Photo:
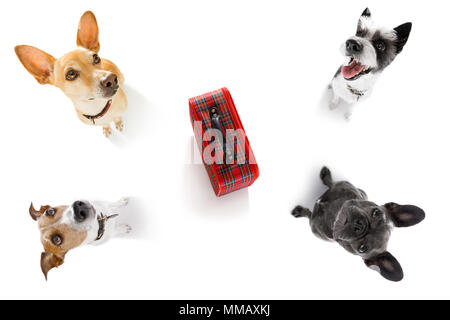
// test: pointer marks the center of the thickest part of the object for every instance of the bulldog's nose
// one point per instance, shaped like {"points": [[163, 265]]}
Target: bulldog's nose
{"points": [[80, 211], [359, 226], [353, 46], [110, 81]]}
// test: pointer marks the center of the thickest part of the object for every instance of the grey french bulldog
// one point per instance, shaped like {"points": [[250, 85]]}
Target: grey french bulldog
{"points": [[343, 214]]}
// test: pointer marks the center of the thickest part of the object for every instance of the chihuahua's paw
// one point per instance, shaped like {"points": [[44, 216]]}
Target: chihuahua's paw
{"points": [[107, 131], [119, 125]]}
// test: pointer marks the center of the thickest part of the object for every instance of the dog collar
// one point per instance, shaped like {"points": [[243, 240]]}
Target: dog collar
{"points": [[101, 224], [356, 92], [99, 115]]}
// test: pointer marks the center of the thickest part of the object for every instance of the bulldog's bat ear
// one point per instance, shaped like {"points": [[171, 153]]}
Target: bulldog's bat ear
{"points": [[87, 36], [35, 214], [404, 216], [37, 62], [403, 32], [386, 265], [49, 261], [366, 13]]}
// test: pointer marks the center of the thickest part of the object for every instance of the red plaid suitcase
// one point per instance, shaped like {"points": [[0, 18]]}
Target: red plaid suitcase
{"points": [[221, 138]]}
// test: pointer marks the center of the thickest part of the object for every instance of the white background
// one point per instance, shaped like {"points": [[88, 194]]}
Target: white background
{"points": [[276, 57]]}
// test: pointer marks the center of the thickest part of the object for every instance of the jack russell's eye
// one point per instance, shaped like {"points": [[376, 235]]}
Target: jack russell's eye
{"points": [[96, 58], [380, 45], [72, 75], [363, 248], [50, 212], [57, 240]]}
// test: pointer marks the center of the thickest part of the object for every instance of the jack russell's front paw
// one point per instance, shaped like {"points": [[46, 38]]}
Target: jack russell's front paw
{"points": [[107, 131]]}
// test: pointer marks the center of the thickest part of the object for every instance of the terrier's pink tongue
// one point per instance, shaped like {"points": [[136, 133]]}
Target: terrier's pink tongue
{"points": [[352, 70]]}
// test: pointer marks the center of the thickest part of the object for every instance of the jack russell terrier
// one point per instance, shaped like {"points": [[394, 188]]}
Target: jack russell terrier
{"points": [[93, 84], [67, 227], [344, 214], [368, 53]]}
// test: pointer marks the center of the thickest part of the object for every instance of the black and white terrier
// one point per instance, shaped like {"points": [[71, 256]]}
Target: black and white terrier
{"points": [[369, 52]]}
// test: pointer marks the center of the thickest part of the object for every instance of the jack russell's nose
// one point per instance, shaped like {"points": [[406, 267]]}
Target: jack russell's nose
{"points": [[80, 211], [353, 46]]}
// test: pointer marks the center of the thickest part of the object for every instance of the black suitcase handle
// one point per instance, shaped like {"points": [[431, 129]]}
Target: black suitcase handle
{"points": [[229, 156]]}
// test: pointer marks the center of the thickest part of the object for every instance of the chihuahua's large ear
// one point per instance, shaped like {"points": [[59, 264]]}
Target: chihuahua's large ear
{"points": [[386, 265], [39, 63], [404, 216], [49, 261], [35, 214], [403, 32], [87, 36]]}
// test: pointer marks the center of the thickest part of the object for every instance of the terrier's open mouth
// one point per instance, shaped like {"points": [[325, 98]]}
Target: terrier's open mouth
{"points": [[353, 70]]}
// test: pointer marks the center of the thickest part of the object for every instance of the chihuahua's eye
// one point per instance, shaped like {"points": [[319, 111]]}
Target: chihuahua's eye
{"points": [[376, 213], [96, 58], [363, 248], [72, 75], [380, 45], [57, 240], [50, 212]]}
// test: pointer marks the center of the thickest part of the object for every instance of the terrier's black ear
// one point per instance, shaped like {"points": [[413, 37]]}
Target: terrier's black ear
{"points": [[404, 216], [366, 13], [386, 265], [403, 32]]}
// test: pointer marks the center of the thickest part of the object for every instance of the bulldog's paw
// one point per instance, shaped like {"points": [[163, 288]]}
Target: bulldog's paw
{"points": [[107, 131]]}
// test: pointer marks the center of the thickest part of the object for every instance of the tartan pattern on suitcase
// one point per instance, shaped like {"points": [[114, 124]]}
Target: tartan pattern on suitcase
{"points": [[225, 178]]}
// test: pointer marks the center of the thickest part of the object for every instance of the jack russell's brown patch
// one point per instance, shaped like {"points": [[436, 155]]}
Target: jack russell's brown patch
{"points": [[57, 235]]}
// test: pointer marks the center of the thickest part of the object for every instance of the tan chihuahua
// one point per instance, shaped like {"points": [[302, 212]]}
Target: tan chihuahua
{"points": [[94, 85]]}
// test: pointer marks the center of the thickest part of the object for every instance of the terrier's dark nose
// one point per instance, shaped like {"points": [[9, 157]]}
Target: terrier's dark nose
{"points": [[80, 211], [110, 81], [353, 46]]}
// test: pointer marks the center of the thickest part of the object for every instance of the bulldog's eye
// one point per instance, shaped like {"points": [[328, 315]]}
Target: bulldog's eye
{"points": [[96, 58], [72, 75], [380, 45], [57, 240], [50, 212], [363, 248], [376, 213]]}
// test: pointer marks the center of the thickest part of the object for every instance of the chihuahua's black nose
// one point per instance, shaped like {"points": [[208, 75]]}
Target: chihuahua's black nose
{"points": [[80, 211], [109, 85], [353, 46], [110, 81]]}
